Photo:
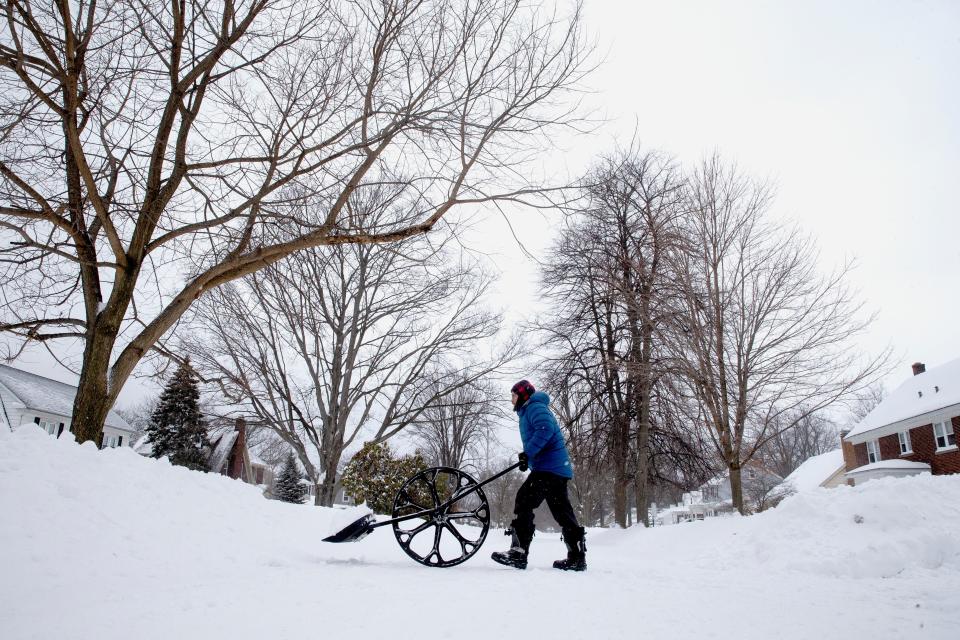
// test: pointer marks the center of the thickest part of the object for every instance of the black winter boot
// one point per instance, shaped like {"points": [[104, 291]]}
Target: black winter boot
{"points": [[576, 551], [516, 556]]}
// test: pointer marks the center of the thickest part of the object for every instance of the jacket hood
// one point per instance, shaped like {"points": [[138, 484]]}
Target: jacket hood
{"points": [[538, 396]]}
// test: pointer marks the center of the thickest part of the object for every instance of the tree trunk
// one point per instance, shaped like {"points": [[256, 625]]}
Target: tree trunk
{"points": [[328, 488], [640, 495], [94, 396], [640, 479], [620, 498], [736, 487], [317, 494]]}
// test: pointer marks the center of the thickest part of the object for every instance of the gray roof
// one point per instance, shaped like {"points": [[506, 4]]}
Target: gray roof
{"points": [[46, 395]]}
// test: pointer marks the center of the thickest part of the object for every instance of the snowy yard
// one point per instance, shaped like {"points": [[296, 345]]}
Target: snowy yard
{"points": [[105, 544]]}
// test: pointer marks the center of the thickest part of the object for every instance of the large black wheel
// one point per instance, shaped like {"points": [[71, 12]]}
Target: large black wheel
{"points": [[455, 522]]}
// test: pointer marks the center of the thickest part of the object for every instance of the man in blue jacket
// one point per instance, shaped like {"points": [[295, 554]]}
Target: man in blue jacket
{"points": [[545, 451]]}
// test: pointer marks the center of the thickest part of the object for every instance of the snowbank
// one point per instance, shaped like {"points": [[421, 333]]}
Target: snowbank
{"points": [[107, 544]]}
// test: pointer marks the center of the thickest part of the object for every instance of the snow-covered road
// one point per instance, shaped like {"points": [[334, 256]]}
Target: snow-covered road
{"points": [[110, 545]]}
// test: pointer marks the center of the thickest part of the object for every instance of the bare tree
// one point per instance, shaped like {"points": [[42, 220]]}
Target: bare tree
{"points": [[335, 345], [866, 401], [763, 339], [452, 431], [680, 460], [502, 492], [138, 416], [808, 435], [153, 151], [586, 343], [609, 277]]}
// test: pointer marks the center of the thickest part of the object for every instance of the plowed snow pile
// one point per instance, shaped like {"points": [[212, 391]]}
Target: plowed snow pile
{"points": [[106, 544]]}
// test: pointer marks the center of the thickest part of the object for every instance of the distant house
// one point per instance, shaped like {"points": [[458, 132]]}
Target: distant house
{"points": [[262, 472], [228, 455], [913, 430], [714, 498], [27, 398], [825, 470], [340, 495]]}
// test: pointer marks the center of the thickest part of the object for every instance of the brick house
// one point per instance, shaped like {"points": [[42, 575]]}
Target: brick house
{"points": [[228, 456], [913, 430]]}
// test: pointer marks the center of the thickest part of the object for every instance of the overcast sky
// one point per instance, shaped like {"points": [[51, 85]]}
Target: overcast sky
{"points": [[849, 108]]}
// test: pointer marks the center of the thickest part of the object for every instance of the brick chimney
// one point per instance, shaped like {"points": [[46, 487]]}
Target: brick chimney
{"points": [[237, 468], [849, 455], [918, 368]]}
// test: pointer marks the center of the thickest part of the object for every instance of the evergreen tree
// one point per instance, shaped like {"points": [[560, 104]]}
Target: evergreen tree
{"points": [[374, 475], [289, 487], [176, 427]]}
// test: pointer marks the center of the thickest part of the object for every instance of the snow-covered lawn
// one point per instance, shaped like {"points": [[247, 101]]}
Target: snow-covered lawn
{"points": [[105, 544]]}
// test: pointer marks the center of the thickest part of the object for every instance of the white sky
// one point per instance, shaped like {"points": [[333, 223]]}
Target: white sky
{"points": [[849, 108]]}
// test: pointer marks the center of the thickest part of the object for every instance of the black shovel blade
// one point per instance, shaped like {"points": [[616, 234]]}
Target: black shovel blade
{"points": [[356, 530]]}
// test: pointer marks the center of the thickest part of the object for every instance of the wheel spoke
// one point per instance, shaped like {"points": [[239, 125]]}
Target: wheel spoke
{"points": [[411, 533], [464, 543], [433, 490], [436, 543], [441, 481], [464, 515]]}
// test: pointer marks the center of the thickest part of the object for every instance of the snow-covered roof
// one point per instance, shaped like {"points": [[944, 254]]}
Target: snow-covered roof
{"points": [[36, 392], [894, 465], [221, 449], [914, 403], [144, 446], [814, 471]]}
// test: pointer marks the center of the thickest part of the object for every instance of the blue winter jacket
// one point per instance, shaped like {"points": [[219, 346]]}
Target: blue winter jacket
{"points": [[542, 440]]}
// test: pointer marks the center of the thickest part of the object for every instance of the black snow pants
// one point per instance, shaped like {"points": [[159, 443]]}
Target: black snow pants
{"points": [[540, 486]]}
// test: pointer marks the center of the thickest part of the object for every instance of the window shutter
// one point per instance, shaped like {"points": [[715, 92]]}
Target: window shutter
{"points": [[119, 441]]}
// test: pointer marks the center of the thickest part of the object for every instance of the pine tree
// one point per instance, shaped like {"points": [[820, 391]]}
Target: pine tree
{"points": [[176, 427], [289, 487]]}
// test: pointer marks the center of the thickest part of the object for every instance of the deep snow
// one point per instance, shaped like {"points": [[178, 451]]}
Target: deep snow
{"points": [[106, 544]]}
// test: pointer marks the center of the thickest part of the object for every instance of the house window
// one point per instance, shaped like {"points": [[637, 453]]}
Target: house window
{"points": [[873, 451], [346, 497], [49, 427], [904, 437], [943, 434]]}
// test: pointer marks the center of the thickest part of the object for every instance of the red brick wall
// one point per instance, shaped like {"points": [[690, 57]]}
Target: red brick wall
{"points": [[859, 455], [890, 447], [924, 450]]}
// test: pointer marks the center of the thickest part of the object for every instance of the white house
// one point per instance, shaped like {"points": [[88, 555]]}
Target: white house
{"points": [[825, 470], [26, 398], [714, 498]]}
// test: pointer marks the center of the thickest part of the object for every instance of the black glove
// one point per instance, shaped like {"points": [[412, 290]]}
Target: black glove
{"points": [[523, 461]]}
